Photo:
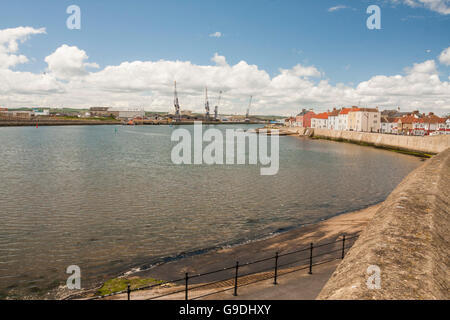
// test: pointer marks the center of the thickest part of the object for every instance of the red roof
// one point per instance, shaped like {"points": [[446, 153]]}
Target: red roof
{"points": [[333, 113], [347, 110], [430, 119], [323, 115], [407, 119]]}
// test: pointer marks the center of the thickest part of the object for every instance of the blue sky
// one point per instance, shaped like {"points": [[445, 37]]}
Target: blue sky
{"points": [[269, 34]]}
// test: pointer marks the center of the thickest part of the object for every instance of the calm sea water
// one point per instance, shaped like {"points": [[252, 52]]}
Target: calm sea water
{"points": [[107, 202]]}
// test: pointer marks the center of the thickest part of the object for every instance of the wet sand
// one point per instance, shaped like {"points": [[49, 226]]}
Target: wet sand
{"points": [[292, 240], [323, 232]]}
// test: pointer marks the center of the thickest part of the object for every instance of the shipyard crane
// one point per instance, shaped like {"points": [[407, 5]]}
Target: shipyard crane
{"points": [[206, 103], [216, 108], [248, 109], [176, 104]]}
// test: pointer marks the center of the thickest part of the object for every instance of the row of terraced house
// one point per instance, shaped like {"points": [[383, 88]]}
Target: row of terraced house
{"points": [[373, 120]]}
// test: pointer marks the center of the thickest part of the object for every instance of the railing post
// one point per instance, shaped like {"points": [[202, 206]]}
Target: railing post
{"points": [[236, 279], [128, 291], [310, 257], [343, 246], [276, 269], [186, 288]]}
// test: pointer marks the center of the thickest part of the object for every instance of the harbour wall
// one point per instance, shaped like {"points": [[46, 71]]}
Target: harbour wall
{"points": [[427, 144], [408, 240]]}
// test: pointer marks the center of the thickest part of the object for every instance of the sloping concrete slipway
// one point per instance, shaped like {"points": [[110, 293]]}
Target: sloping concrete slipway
{"points": [[408, 240]]}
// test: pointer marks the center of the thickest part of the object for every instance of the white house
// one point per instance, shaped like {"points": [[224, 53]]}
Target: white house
{"points": [[388, 125], [343, 119], [445, 126], [430, 124], [333, 119], [319, 121]]}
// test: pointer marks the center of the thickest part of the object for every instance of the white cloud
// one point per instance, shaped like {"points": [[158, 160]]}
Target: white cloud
{"points": [[67, 62], [150, 84], [216, 34], [419, 88], [428, 66], [440, 6], [301, 71], [9, 39], [336, 8], [21, 86], [219, 60], [444, 58]]}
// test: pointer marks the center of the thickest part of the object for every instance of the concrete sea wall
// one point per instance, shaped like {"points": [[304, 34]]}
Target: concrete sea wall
{"points": [[408, 239], [428, 144]]}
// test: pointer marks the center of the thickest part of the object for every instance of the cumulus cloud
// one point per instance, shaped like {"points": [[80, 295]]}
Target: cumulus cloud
{"points": [[336, 8], [302, 71], [216, 34], [149, 84], [444, 58], [428, 66], [67, 62], [420, 86], [440, 6], [219, 60], [9, 44]]}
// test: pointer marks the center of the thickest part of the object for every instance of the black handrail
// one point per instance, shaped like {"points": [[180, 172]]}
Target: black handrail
{"points": [[236, 276]]}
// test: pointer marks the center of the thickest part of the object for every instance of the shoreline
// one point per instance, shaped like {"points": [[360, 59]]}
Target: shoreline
{"points": [[282, 239], [277, 238], [60, 122], [216, 258]]}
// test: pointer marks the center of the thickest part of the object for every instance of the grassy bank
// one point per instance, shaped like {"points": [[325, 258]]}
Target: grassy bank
{"points": [[121, 284]]}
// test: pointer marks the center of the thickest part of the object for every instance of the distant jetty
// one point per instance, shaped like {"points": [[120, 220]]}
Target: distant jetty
{"points": [[269, 131]]}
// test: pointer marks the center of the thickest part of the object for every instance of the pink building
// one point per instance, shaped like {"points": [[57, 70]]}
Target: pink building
{"points": [[303, 119]]}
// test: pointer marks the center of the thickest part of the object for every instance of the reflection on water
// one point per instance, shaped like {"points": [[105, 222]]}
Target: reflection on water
{"points": [[86, 196]]}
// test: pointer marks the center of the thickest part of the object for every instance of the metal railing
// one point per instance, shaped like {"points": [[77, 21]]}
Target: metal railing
{"points": [[274, 270]]}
